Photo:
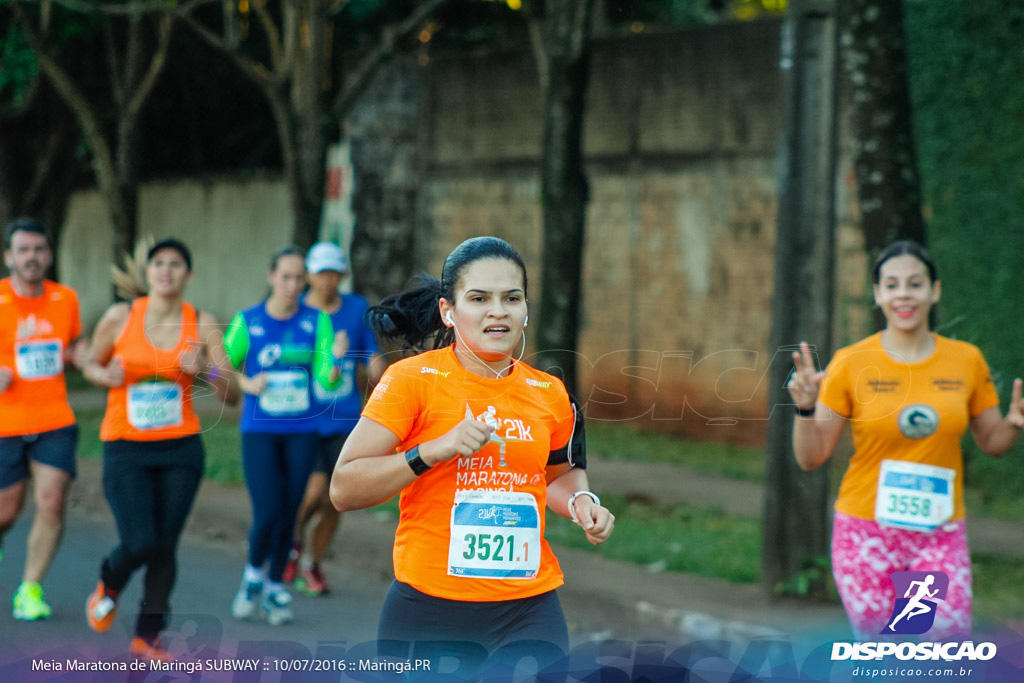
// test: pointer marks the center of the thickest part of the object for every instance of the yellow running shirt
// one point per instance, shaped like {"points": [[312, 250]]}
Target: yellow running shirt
{"points": [[907, 412], [472, 528]]}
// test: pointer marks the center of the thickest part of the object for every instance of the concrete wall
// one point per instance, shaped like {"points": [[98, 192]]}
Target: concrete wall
{"points": [[681, 137], [232, 227]]}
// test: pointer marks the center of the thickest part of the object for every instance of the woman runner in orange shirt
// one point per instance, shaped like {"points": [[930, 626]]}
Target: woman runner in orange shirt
{"points": [[478, 443], [147, 353]]}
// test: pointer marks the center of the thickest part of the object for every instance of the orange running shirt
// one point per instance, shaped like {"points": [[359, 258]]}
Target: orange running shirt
{"points": [[912, 412], [34, 334], [155, 401], [480, 549]]}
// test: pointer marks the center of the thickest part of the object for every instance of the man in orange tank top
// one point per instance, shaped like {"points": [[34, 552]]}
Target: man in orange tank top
{"points": [[39, 330]]}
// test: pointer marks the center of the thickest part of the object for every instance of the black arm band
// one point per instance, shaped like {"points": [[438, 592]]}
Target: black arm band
{"points": [[575, 451], [415, 462], [804, 412]]}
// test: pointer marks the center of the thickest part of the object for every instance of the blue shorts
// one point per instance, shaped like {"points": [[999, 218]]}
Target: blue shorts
{"points": [[55, 448], [328, 449]]}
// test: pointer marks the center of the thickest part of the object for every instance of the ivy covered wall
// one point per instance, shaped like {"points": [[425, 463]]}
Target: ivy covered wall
{"points": [[967, 83]]}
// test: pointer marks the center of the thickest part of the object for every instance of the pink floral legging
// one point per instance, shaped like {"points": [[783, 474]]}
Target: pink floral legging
{"points": [[865, 553]]}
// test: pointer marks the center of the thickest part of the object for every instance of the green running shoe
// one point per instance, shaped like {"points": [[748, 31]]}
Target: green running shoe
{"points": [[29, 604]]}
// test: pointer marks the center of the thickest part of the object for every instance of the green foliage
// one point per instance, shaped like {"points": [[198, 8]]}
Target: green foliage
{"points": [[361, 10], [755, 9], [660, 12], [968, 96], [814, 575], [18, 66]]}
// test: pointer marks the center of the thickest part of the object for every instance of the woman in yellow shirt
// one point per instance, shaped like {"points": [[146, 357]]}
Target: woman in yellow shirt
{"points": [[909, 395]]}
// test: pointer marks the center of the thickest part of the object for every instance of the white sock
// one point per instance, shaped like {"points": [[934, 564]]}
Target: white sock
{"points": [[254, 575]]}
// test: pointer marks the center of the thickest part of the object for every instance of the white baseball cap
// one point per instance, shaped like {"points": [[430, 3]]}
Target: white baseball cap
{"points": [[326, 256]]}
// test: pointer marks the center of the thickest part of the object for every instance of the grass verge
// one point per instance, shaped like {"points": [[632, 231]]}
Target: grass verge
{"points": [[619, 442], [996, 583], [672, 537]]}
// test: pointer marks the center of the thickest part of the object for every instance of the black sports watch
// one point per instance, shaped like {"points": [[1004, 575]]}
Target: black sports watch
{"points": [[416, 464]]}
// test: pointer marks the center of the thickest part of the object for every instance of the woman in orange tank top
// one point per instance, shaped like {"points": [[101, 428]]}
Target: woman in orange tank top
{"points": [[147, 353]]}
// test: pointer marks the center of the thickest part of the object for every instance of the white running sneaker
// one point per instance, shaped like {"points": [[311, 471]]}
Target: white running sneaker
{"points": [[277, 606], [244, 604]]}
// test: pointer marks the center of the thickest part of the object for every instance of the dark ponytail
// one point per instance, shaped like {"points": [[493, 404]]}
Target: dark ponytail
{"points": [[413, 317]]}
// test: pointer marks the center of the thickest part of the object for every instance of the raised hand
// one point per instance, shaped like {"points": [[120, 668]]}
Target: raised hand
{"points": [[805, 383]]}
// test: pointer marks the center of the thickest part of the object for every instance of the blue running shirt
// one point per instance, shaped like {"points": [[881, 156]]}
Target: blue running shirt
{"points": [[295, 353]]}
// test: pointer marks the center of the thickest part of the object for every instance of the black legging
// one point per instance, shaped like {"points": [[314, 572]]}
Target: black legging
{"points": [[150, 486], [414, 625]]}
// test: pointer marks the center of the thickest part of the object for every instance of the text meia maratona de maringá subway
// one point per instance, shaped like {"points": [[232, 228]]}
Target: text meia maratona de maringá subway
{"points": [[189, 667]]}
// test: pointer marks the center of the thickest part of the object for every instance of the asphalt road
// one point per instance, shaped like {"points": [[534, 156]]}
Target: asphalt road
{"points": [[339, 627], [202, 627]]}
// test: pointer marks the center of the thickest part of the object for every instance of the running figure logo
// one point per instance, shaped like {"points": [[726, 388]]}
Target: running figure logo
{"points": [[914, 613], [488, 417]]}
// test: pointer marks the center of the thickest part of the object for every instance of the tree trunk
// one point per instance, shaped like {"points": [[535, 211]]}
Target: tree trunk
{"points": [[385, 167], [310, 116], [563, 56], [102, 159], [796, 529], [874, 65]]}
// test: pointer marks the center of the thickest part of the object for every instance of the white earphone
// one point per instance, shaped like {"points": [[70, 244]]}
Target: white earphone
{"points": [[499, 375]]}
